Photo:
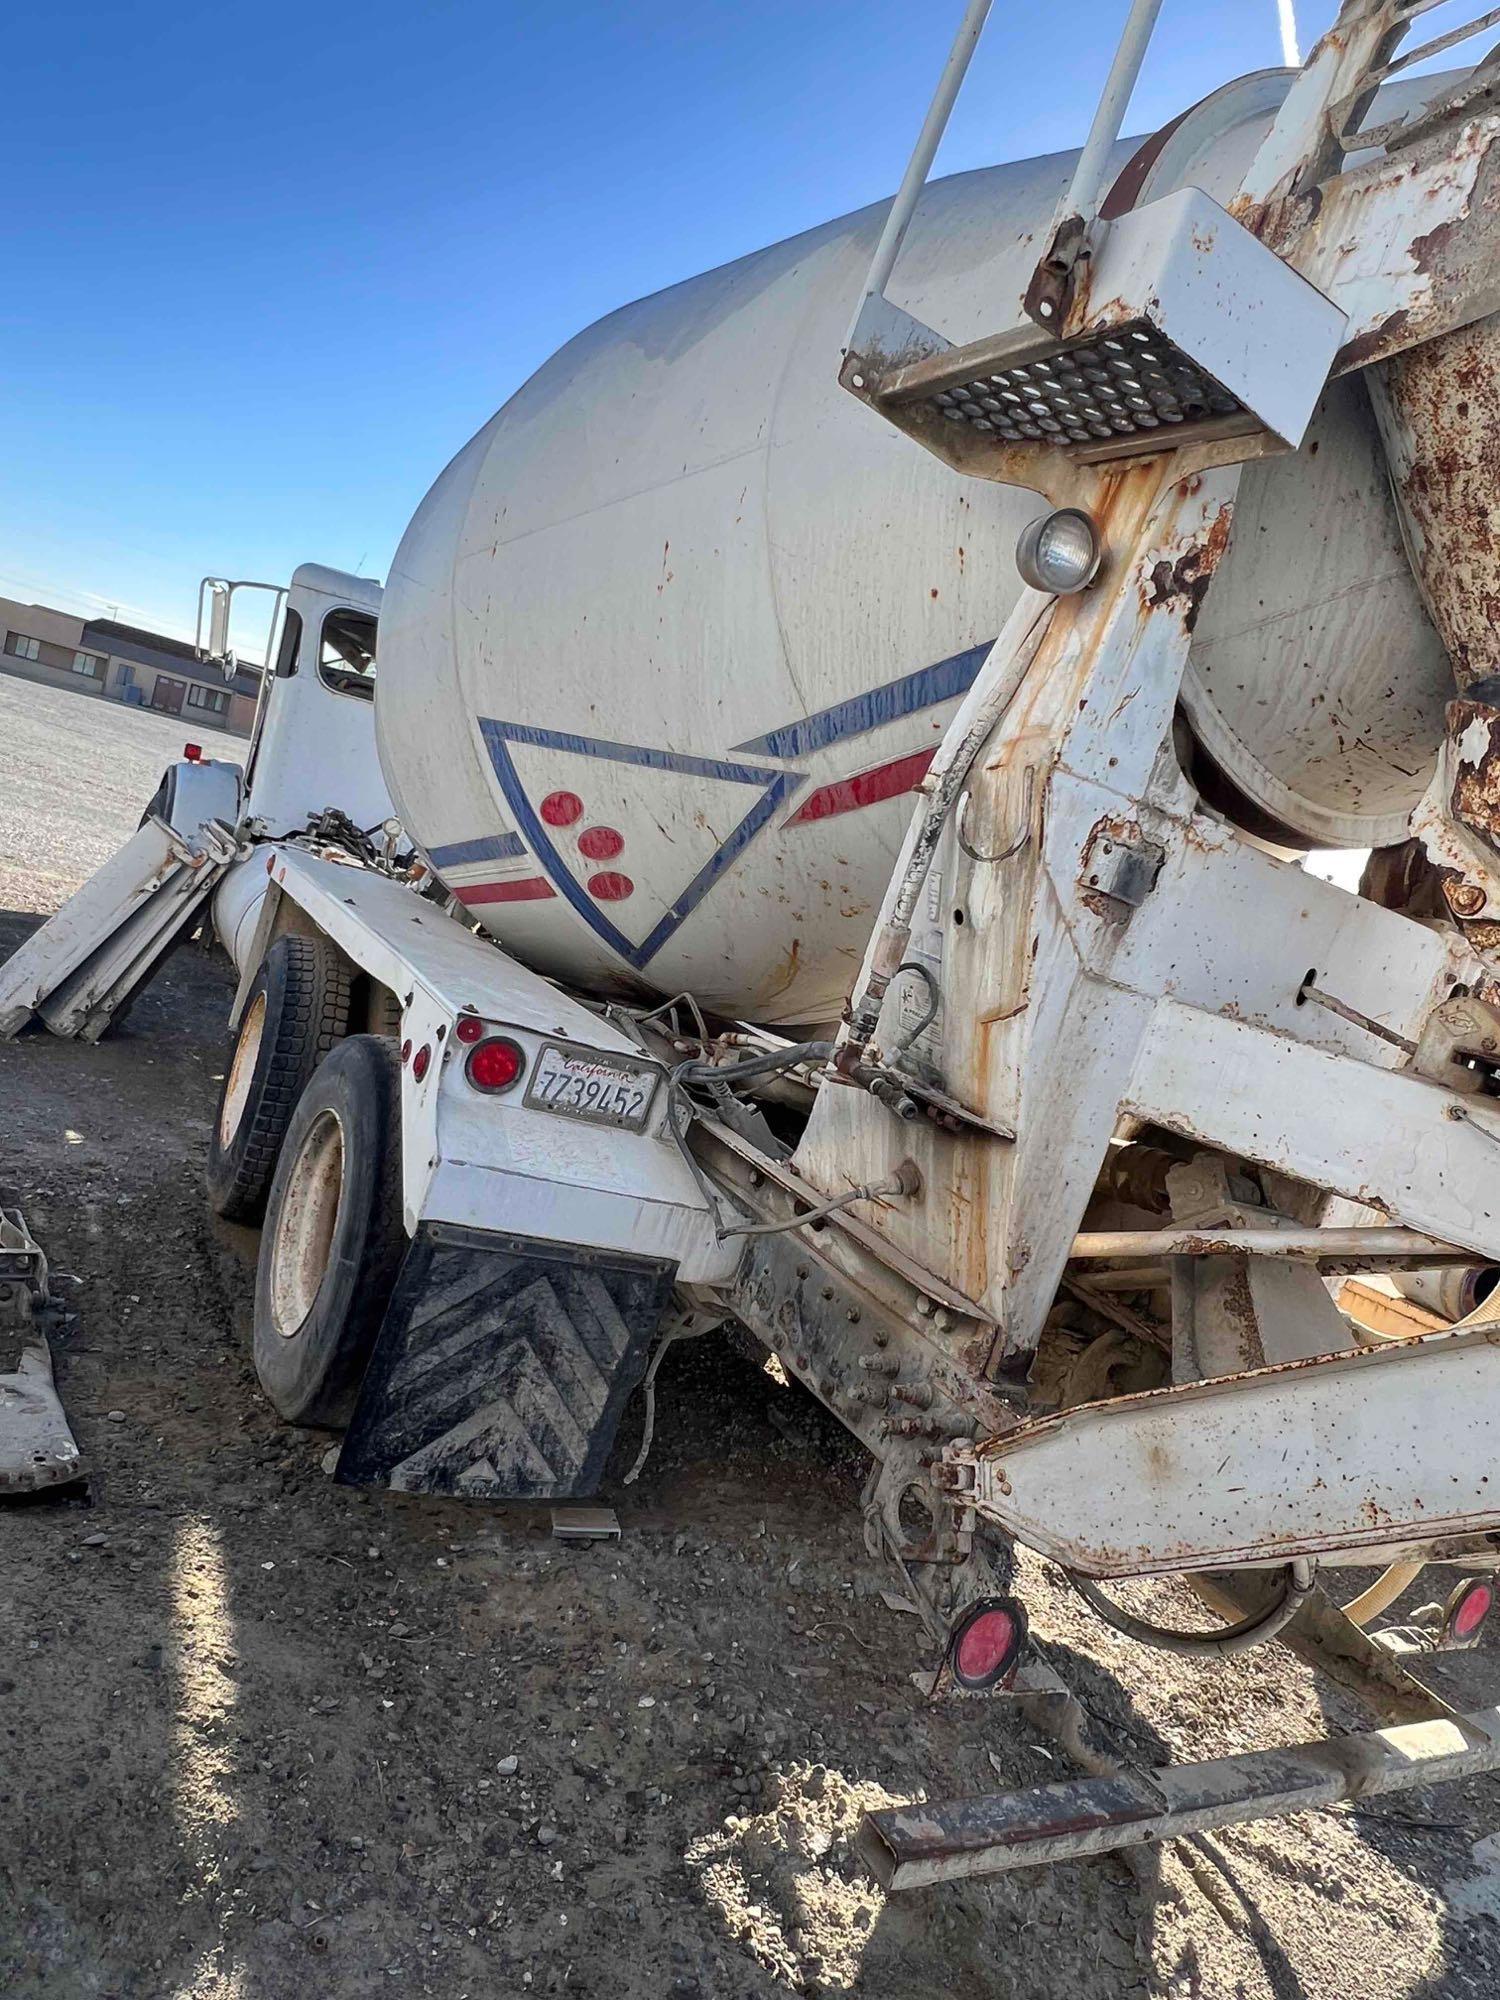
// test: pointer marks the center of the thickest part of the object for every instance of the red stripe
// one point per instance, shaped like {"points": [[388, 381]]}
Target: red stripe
{"points": [[886, 781], [533, 889]]}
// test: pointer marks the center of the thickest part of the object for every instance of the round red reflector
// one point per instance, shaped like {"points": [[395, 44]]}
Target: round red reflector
{"points": [[988, 1642], [421, 1062], [406, 1050], [495, 1065], [610, 887], [469, 1028], [1469, 1606], [561, 808], [600, 843]]}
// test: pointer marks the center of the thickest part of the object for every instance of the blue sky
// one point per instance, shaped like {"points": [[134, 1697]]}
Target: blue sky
{"points": [[267, 268]]}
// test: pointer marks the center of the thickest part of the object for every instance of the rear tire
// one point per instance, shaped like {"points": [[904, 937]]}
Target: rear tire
{"points": [[296, 1010], [334, 1239]]}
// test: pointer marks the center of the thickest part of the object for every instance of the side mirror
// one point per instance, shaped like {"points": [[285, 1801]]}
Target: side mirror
{"points": [[216, 596], [218, 593]]}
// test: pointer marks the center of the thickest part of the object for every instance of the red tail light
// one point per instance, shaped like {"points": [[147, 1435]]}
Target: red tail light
{"points": [[1466, 1612], [495, 1064], [985, 1646]]}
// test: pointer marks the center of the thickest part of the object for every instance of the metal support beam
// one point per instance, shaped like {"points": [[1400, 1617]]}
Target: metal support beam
{"points": [[1375, 1246], [911, 1847]]}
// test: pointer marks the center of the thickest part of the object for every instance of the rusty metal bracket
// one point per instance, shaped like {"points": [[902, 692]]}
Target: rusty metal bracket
{"points": [[1121, 864]]}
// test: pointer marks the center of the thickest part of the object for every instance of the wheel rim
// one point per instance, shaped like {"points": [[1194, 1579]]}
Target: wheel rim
{"points": [[242, 1070], [306, 1222]]}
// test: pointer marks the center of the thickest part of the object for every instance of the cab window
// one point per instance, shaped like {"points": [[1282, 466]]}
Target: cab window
{"points": [[346, 653], [291, 640]]}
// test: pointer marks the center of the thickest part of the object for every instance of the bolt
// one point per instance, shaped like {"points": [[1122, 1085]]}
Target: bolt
{"points": [[1465, 899], [918, 1394], [924, 1306], [880, 1364], [852, 1315]]}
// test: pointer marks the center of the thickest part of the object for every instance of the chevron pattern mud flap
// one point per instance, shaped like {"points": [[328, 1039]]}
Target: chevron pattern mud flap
{"points": [[502, 1367]]}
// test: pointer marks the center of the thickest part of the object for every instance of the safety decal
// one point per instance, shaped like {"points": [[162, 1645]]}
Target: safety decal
{"points": [[555, 820], [560, 809]]}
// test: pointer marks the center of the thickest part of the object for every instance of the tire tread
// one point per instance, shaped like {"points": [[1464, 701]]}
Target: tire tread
{"points": [[312, 1016]]}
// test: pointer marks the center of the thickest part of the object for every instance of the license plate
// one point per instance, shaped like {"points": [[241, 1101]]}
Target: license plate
{"points": [[580, 1083]]}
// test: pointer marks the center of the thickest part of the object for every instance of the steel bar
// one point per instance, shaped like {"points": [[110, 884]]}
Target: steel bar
{"points": [[1098, 1245], [910, 1847], [1352, 1014], [898, 220], [1082, 197]]}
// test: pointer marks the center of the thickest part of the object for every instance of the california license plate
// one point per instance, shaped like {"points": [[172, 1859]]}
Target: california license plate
{"points": [[581, 1083]]}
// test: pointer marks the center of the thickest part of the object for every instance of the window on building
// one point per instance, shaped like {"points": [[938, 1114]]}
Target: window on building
{"points": [[346, 653], [215, 700], [22, 646], [89, 663]]}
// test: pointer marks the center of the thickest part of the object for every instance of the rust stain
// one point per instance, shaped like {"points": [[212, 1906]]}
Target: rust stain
{"points": [[1183, 584], [1372, 344], [1443, 442], [1476, 790]]}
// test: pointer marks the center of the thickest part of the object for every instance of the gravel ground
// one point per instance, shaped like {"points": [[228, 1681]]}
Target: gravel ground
{"points": [[265, 1736], [75, 772]]}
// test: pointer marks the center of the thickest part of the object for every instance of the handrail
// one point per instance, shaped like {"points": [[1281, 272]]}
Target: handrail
{"points": [[1078, 211], [898, 219]]}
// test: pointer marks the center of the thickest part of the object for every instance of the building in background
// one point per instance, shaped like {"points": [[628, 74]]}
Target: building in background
{"points": [[118, 662]]}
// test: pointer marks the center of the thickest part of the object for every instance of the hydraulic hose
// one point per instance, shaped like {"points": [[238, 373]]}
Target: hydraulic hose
{"points": [[1383, 1592], [1296, 1587]]}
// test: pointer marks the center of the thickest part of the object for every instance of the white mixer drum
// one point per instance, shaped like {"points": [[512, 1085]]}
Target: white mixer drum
{"points": [[669, 644]]}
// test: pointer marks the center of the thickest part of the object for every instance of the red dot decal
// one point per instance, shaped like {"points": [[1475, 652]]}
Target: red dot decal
{"points": [[610, 887], [562, 808], [600, 843]]}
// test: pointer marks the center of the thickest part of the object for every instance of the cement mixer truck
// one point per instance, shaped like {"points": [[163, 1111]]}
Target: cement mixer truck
{"points": [[809, 838]]}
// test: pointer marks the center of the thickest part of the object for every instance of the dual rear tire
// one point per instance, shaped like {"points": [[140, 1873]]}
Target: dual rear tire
{"points": [[334, 1237], [307, 1140], [296, 1010]]}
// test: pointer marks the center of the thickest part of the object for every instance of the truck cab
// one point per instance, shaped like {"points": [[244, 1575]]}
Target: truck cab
{"points": [[313, 744]]}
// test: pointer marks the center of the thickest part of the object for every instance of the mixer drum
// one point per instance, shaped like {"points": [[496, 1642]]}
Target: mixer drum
{"points": [[669, 644]]}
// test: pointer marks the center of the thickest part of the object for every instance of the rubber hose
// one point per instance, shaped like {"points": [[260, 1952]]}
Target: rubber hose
{"points": [[1383, 1592], [1297, 1583]]}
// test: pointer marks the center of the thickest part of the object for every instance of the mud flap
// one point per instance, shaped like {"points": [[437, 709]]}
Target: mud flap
{"points": [[502, 1367]]}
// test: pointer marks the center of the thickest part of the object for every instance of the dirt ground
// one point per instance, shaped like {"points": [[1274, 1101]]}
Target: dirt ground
{"points": [[266, 1737], [75, 772]]}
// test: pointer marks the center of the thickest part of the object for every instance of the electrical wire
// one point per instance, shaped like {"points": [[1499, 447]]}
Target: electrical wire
{"points": [[934, 1001], [791, 1057], [677, 1000], [1296, 1587], [869, 1193]]}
